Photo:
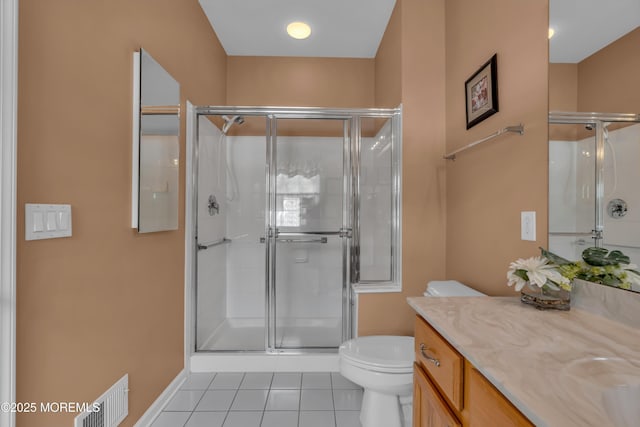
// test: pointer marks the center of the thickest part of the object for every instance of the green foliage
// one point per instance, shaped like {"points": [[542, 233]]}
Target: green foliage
{"points": [[598, 265], [602, 257]]}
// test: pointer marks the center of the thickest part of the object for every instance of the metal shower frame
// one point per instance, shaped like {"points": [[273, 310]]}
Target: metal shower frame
{"points": [[351, 206]]}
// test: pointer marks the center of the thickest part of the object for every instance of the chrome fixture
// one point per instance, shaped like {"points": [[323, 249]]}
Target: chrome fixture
{"points": [[213, 205], [212, 244], [519, 129], [617, 208], [228, 122]]}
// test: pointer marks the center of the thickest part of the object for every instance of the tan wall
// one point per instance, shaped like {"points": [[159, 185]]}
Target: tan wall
{"points": [[298, 81], [563, 87], [563, 96], [608, 80], [106, 301], [488, 186], [388, 63], [417, 31]]}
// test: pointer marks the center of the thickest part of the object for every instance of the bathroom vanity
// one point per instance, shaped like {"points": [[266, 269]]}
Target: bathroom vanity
{"points": [[493, 361], [449, 391]]}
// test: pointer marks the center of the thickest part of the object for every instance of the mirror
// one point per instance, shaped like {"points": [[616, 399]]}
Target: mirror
{"points": [[594, 130], [156, 153]]}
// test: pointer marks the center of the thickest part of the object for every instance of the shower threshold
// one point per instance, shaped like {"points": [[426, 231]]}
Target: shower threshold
{"points": [[264, 362], [292, 335], [238, 344]]}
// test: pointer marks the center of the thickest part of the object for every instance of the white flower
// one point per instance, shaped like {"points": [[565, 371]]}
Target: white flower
{"points": [[535, 270]]}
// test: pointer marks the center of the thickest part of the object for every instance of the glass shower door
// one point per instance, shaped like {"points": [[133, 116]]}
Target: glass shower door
{"points": [[309, 233]]}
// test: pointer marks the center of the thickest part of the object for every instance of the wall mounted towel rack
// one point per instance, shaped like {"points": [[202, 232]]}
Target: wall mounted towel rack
{"points": [[519, 129]]}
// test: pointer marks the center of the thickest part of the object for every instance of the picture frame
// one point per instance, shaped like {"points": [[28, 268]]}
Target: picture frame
{"points": [[481, 92]]}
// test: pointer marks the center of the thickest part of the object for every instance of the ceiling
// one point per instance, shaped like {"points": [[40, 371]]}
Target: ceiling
{"points": [[339, 28], [354, 28], [583, 27]]}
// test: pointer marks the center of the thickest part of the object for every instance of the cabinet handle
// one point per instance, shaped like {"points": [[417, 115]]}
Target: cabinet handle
{"points": [[426, 356]]}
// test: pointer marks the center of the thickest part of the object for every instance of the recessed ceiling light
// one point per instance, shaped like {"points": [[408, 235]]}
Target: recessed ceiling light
{"points": [[551, 32], [299, 30]]}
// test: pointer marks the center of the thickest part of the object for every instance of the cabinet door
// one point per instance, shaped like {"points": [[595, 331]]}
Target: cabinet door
{"points": [[487, 407], [429, 408]]}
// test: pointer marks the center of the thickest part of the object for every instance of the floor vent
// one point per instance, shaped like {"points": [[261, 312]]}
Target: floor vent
{"points": [[109, 409]]}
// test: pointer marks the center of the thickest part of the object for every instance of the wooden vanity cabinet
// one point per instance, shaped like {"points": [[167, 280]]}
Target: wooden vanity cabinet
{"points": [[429, 408], [450, 392]]}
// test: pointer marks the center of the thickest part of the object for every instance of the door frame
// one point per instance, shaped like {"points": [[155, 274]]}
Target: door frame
{"points": [[8, 179]]}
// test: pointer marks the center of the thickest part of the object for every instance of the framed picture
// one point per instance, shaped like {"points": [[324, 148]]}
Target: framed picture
{"points": [[481, 93]]}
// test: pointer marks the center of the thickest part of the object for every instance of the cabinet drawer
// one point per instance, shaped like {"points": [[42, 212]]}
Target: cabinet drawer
{"points": [[441, 362]]}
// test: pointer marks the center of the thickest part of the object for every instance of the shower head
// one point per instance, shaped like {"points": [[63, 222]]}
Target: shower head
{"points": [[228, 122]]}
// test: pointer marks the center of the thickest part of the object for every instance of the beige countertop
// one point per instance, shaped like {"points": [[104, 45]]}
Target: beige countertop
{"points": [[542, 361]]}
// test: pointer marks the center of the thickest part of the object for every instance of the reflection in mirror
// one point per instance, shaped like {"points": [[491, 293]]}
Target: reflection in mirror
{"points": [[594, 58], [158, 148], [593, 191]]}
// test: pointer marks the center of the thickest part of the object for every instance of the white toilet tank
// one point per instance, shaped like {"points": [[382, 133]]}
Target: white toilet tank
{"points": [[450, 288]]}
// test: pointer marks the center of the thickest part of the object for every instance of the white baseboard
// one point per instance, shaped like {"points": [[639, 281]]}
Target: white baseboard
{"points": [[156, 407]]}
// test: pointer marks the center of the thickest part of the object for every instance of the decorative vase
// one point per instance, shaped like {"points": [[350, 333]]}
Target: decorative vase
{"points": [[546, 298]]}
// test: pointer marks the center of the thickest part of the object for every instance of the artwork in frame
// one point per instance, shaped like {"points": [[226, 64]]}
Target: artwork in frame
{"points": [[481, 92]]}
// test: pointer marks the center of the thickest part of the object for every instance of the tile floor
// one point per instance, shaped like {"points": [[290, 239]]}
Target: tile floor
{"points": [[264, 399]]}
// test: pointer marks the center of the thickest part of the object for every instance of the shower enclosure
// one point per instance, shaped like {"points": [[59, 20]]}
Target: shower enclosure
{"points": [[294, 207], [593, 174]]}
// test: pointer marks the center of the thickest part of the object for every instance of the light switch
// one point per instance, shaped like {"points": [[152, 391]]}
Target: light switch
{"points": [[51, 221], [38, 222], [47, 221], [63, 220]]}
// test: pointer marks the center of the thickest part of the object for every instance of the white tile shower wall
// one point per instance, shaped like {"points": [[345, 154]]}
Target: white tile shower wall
{"points": [[562, 184], [245, 224], [212, 263]]}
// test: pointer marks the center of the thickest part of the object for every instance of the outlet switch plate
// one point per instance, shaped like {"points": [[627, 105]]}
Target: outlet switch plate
{"points": [[528, 226]]}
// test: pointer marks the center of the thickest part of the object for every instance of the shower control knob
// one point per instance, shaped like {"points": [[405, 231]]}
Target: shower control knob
{"points": [[617, 208], [213, 205]]}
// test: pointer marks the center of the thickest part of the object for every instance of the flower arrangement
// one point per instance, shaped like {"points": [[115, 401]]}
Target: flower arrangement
{"points": [[598, 265], [539, 271]]}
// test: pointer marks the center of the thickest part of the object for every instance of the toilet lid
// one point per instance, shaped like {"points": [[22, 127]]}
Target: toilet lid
{"points": [[380, 353], [450, 288]]}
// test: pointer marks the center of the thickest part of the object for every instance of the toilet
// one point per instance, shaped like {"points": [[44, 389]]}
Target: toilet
{"points": [[383, 367]]}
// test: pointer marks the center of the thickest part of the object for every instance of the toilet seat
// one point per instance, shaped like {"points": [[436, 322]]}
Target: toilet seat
{"points": [[384, 354]]}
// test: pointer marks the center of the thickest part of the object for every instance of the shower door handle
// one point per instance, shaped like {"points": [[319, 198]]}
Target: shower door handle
{"points": [[343, 232], [292, 240]]}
